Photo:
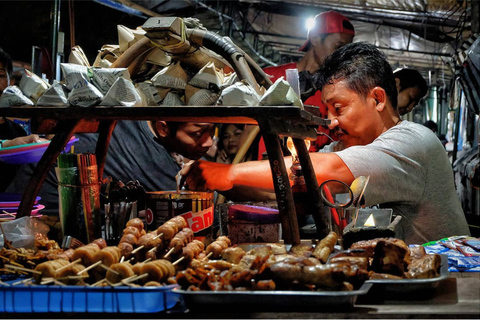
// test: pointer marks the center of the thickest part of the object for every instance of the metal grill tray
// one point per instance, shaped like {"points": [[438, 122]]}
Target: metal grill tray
{"points": [[408, 289], [43, 298], [265, 299]]}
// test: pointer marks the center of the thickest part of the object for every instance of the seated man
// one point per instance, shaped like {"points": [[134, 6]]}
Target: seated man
{"points": [[408, 167], [411, 88], [139, 150]]}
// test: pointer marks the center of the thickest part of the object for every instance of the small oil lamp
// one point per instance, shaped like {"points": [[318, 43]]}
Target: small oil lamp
{"points": [[371, 224], [299, 188]]}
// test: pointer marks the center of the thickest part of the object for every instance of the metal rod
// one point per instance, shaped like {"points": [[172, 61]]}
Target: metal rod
{"points": [[286, 207], [317, 207]]}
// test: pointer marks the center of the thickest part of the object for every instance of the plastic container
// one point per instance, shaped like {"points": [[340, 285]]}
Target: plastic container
{"points": [[33, 154], [251, 224], [195, 207], [42, 299]]}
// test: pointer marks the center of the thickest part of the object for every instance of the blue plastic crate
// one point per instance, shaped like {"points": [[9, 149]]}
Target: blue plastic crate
{"points": [[41, 298]]}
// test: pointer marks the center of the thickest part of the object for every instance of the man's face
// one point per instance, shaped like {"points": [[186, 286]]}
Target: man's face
{"points": [[192, 140], [332, 42], [354, 118], [4, 78], [407, 100]]}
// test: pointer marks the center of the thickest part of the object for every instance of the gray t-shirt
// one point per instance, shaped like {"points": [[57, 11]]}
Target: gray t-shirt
{"points": [[410, 172]]}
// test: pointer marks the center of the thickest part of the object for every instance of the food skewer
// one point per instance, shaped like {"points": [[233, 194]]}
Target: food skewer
{"points": [[69, 265], [191, 251], [179, 241], [99, 262], [216, 247], [11, 266]]}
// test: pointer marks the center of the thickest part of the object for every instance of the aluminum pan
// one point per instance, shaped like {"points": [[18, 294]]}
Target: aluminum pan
{"points": [[408, 289], [325, 299]]}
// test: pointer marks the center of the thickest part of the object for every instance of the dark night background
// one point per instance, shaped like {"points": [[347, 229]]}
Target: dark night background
{"points": [[24, 24]]}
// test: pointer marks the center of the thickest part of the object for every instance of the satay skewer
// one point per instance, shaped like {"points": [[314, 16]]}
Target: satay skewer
{"points": [[178, 261], [98, 282], [93, 265], [208, 255], [109, 269], [68, 265], [137, 249], [11, 266], [134, 278], [158, 235], [169, 252], [23, 281]]}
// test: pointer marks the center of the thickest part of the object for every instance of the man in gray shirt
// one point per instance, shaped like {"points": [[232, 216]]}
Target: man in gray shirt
{"points": [[408, 167]]}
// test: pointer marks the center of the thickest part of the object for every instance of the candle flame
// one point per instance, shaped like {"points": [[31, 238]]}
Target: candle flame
{"points": [[292, 149], [370, 221]]}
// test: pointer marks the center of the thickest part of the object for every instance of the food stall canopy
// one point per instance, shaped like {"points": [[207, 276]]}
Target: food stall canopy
{"points": [[420, 34]]}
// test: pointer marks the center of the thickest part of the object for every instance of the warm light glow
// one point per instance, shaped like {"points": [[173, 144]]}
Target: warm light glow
{"points": [[370, 221], [291, 147], [310, 23]]}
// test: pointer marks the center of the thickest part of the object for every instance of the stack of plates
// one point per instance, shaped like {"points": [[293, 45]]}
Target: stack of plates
{"points": [[9, 203], [28, 153]]}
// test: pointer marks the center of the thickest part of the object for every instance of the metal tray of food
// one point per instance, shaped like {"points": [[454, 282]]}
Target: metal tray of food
{"points": [[286, 299], [408, 289], [83, 299]]}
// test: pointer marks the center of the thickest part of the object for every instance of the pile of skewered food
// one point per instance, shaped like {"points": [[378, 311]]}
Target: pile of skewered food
{"points": [[272, 267], [139, 258], [170, 254]]}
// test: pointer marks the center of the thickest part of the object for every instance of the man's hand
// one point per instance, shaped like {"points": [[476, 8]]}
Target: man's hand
{"points": [[204, 175], [33, 138]]}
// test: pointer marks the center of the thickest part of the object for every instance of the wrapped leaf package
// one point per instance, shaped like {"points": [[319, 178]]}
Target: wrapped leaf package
{"points": [[108, 54], [122, 93], [13, 96], [84, 94], [172, 76], [200, 97], [150, 93], [32, 85], [239, 94], [74, 74], [281, 94], [172, 99], [104, 78], [125, 37], [208, 78], [55, 96], [77, 56]]}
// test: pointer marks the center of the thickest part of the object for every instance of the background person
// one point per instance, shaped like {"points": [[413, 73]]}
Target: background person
{"points": [[331, 31], [411, 88], [8, 129], [408, 167], [139, 150]]}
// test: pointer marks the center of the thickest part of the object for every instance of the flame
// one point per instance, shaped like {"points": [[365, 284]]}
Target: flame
{"points": [[370, 221], [291, 147]]}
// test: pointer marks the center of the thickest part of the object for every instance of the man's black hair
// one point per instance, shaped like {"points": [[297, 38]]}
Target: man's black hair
{"points": [[362, 66], [7, 61], [410, 78]]}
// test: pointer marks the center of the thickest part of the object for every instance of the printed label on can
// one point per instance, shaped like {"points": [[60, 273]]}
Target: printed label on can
{"points": [[198, 221]]}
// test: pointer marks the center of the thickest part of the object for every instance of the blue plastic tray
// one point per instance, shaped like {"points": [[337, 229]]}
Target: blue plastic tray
{"points": [[42, 298]]}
